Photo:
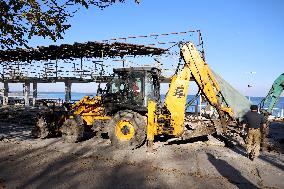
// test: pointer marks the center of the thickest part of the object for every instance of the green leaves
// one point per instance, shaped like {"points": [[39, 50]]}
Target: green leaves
{"points": [[22, 19]]}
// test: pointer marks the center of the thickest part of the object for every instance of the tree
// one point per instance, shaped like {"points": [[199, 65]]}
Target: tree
{"points": [[22, 19]]}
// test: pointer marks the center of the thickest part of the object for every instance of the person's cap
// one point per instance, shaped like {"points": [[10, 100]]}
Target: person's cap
{"points": [[254, 107]]}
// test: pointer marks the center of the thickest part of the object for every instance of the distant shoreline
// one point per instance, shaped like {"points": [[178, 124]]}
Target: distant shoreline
{"points": [[20, 93]]}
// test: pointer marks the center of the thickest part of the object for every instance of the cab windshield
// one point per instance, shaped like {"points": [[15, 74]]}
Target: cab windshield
{"points": [[118, 85], [135, 88]]}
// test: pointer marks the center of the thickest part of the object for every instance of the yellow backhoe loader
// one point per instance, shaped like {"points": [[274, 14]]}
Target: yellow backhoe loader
{"points": [[129, 110]]}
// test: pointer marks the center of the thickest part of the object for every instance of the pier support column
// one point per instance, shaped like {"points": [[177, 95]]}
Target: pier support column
{"points": [[68, 91], [34, 93], [27, 93], [6, 94]]}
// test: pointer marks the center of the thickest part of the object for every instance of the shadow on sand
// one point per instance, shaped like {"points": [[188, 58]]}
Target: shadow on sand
{"points": [[43, 168], [233, 175]]}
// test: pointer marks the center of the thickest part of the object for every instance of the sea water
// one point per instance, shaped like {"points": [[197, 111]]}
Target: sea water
{"points": [[75, 96]]}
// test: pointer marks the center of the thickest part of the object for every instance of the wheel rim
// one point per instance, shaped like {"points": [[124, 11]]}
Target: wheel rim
{"points": [[124, 130]]}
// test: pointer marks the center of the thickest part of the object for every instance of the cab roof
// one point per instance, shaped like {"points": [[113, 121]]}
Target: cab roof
{"points": [[137, 69]]}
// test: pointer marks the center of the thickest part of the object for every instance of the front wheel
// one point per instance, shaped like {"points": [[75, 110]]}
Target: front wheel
{"points": [[127, 130]]}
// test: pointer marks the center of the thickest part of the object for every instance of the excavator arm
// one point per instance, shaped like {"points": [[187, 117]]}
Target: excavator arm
{"points": [[196, 68], [273, 95], [204, 78], [171, 119]]}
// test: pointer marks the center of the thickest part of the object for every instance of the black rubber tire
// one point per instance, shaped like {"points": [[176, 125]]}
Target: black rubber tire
{"points": [[42, 128], [139, 124], [73, 130]]}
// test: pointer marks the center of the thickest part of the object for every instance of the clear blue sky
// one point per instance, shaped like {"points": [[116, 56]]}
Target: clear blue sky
{"points": [[240, 36]]}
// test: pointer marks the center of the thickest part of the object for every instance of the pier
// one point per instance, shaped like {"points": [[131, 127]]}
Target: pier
{"points": [[77, 63]]}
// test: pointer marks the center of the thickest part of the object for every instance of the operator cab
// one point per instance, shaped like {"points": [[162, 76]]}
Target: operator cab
{"points": [[132, 88]]}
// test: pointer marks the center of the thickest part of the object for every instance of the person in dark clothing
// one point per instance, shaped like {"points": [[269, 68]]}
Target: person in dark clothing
{"points": [[253, 121]]}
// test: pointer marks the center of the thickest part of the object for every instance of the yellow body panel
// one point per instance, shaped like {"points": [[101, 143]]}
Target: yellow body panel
{"points": [[88, 119], [90, 109], [152, 121], [176, 99], [102, 118]]}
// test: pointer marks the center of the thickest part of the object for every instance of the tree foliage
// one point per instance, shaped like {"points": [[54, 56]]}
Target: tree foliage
{"points": [[22, 19]]}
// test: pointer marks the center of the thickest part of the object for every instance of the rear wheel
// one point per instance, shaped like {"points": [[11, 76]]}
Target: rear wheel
{"points": [[73, 130], [127, 130], [42, 128]]}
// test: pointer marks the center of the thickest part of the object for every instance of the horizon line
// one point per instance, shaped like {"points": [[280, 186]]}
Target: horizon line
{"points": [[95, 93]]}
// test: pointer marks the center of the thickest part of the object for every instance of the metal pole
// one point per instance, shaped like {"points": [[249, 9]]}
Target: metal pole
{"points": [[34, 93], [250, 85], [27, 93], [67, 91], [81, 75], [6, 93]]}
